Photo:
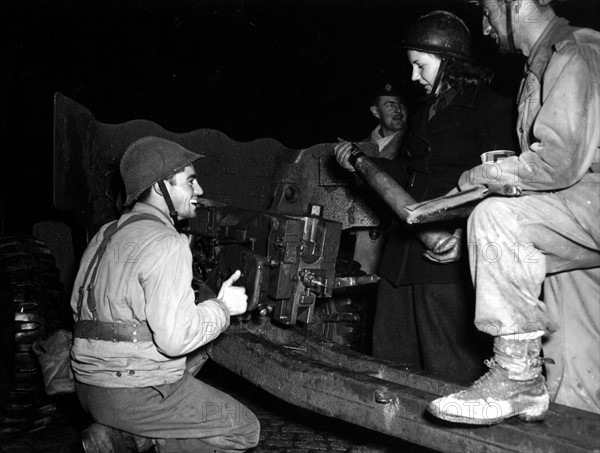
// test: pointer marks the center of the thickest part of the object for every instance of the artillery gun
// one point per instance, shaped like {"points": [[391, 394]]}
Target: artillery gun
{"points": [[278, 214]]}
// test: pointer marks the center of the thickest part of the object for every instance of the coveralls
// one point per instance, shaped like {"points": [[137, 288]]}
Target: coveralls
{"points": [[552, 236], [141, 387], [423, 312]]}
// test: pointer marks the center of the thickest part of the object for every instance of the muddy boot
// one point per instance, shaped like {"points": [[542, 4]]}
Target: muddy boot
{"points": [[513, 386], [99, 438]]}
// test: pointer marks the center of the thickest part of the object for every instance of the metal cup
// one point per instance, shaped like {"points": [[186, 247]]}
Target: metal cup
{"points": [[496, 156]]}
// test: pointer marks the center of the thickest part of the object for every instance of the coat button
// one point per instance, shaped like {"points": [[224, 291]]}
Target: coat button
{"points": [[118, 374], [131, 372]]}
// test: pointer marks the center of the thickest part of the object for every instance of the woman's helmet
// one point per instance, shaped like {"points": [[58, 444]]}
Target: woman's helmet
{"points": [[441, 33]]}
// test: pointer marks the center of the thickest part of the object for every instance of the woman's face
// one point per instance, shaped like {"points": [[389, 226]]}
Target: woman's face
{"points": [[425, 67]]}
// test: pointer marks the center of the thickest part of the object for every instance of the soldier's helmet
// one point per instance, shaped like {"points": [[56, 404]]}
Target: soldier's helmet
{"points": [[151, 159]]}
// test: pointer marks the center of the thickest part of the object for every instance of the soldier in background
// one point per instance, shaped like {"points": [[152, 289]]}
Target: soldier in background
{"points": [[391, 111]]}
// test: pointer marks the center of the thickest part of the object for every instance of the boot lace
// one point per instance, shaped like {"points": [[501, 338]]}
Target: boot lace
{"points": [[494, 370]]}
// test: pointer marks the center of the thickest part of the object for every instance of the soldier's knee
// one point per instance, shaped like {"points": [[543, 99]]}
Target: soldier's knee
{"points": [[490, 210]]}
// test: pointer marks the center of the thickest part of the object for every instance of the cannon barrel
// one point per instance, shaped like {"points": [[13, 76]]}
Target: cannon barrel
{"points": [[395, 196], [382, 183]]}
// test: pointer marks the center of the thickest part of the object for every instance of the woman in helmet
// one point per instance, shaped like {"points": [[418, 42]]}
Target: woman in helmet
{"points": [[425, 309]]}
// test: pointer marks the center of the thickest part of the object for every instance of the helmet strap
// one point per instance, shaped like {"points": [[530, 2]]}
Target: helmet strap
{"points": [[167, 197], [509, 26], [438, 77]]}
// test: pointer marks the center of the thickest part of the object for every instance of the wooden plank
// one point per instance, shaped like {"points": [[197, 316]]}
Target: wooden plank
{"points": [[562, 420], [354, 389], [326, 351]]}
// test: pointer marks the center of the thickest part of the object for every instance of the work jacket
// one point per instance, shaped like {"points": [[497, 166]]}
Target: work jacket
{"points": [[559, 118], [389, 147], [145, 276], [439, 149]]}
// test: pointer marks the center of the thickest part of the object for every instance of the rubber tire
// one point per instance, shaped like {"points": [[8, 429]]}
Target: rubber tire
{"points": [[31, 306]]}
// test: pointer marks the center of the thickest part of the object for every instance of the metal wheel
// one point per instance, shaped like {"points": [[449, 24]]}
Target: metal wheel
{"points": [[30, 301]]}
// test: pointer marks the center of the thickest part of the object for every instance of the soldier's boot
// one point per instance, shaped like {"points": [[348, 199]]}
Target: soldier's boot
{"points": [[99, 438], [513, 386]]}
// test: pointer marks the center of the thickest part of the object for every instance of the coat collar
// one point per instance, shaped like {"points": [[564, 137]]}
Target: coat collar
{"points": [[144, 208], [446, 118], [557, 30]]}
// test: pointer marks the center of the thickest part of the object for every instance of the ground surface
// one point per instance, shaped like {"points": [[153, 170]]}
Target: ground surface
{"points": [[284, 428]]}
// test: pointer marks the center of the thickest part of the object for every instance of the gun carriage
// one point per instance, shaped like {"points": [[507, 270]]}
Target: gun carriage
{"points": [[278, 215]]}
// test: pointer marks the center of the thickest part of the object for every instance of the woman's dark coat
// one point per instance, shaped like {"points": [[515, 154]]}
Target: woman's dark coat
{"points": [[438, 151]]}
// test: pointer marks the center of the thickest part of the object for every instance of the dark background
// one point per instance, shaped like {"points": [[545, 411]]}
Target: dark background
{"points": [[296, 71]]}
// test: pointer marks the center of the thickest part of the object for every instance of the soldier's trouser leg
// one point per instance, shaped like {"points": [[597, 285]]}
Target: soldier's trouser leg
{"points": [[573, 378], [514, 244], [187, 415]]}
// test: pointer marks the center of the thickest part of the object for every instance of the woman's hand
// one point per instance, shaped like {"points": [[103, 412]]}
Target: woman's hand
{"points": [[447, 250], [342, 152]]}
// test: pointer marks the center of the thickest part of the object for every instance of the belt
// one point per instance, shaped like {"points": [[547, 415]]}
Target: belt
{"points": [[113, 331]]}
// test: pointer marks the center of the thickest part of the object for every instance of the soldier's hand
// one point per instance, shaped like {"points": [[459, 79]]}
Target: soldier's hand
{"points": [[233, 297], [447, 250], [342, 152]]}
